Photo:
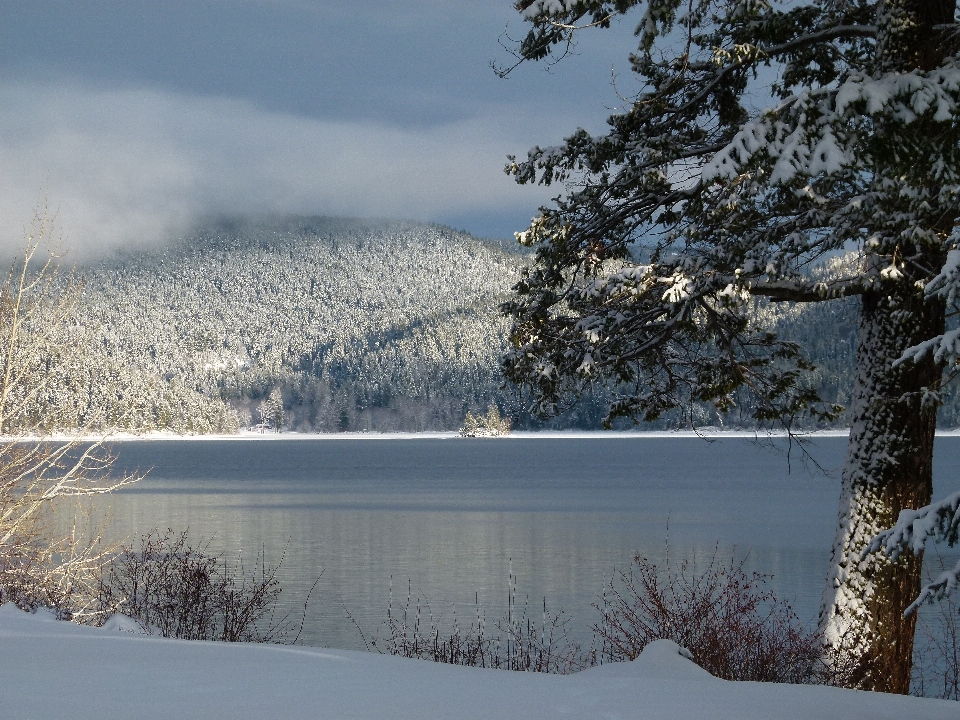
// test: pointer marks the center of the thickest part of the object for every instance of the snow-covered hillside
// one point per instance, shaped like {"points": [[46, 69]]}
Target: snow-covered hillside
{"points": [[57, 669], [360, 324], [376, 325]]}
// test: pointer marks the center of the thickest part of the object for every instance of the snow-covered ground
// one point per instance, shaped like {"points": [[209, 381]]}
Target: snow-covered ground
{"points": [[51, 669]]}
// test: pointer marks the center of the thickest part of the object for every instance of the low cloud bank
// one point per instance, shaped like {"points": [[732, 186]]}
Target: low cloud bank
{"points": [[132, 167]]}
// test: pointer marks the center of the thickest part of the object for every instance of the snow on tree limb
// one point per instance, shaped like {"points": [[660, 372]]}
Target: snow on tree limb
{"points": [[695, 202], [945, 348], [828, 146], [945, 583], [939, 521]]}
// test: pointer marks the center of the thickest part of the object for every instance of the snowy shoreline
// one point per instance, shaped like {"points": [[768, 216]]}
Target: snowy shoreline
{"points": [[706, 433], [59, 669]]}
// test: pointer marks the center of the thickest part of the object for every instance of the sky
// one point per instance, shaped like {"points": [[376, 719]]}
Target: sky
{"points": [[138, 119]]}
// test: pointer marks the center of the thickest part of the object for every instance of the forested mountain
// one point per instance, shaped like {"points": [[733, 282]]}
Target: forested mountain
{"points": [[359, 324], [349, 324]]}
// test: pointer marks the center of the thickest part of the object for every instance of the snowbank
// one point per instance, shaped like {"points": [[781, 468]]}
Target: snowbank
{"points": [[56, 669]]}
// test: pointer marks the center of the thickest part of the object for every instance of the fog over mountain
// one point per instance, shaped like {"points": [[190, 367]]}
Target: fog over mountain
{"points": [[140, 118]]}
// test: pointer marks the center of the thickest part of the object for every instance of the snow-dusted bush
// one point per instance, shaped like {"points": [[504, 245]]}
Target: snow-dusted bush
{"points": [[734, 626], [30, 580]]}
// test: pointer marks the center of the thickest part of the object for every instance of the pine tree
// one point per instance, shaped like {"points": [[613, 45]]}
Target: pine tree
{"points": [[276, 408], [694, 207]]}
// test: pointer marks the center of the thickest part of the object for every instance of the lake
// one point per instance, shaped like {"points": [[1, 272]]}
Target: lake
{"points": [[454, 518]]}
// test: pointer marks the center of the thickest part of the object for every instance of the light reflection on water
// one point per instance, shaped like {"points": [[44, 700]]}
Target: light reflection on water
{"points": [[453, 516]]}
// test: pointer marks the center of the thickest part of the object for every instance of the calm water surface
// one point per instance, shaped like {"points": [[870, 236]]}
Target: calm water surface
{"points": [[453, 516]]}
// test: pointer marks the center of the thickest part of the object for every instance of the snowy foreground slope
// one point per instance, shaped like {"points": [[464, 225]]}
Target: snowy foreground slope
{"points": [[51, 669]]}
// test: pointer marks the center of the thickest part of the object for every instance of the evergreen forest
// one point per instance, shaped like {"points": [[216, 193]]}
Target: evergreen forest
{"points": [[351, 325]]}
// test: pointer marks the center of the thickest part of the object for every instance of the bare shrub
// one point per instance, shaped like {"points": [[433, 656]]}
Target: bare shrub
{"points": [[734, 626], [936, 652], [177, 590], [38, 565], [41, 568], [543, 646], [411, 631], [519, 641]]}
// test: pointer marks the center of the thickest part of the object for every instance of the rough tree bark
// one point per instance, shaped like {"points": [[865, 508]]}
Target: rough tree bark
{"points": [[857, 152], [889, 467], [889, 464]]}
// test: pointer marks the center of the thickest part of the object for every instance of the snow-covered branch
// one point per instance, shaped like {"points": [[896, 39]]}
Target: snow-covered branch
{"points": [[814, 133], [945, 347], [939, 521], [945, 583], [785, 290]]}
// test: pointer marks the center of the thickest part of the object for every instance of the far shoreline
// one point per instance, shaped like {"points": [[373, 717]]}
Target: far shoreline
{"points": [[246, 435], [243, 435]]}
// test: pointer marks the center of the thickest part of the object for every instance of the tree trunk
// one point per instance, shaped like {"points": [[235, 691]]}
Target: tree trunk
{"points": [[889, 467], [893, 418]]}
